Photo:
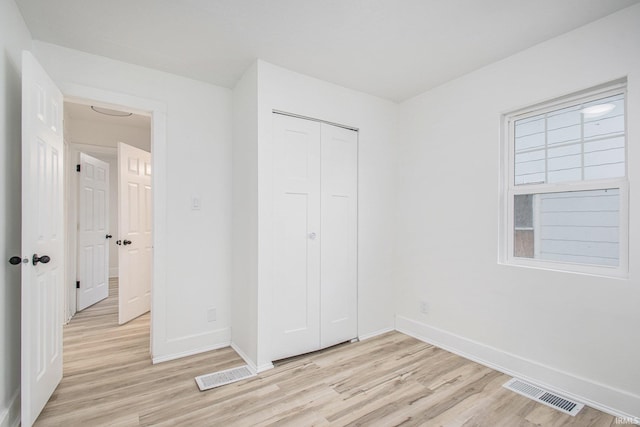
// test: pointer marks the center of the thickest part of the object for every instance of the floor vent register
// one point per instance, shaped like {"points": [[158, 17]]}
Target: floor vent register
{"points": [[220, 378], [550, 399]]}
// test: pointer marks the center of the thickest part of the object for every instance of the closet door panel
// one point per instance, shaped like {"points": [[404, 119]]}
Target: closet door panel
{"points": [[296, 288], [339, 213]]}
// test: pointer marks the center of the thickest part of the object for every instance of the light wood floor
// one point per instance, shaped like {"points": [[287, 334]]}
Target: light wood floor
{"points": [[389, 380]]}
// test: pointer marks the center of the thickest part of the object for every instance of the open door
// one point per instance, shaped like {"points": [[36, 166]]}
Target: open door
{"points": [[135, 226], [42, 238], [93, 232]]}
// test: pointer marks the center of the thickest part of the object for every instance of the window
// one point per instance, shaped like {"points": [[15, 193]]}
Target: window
{"points": [[566, 184]]}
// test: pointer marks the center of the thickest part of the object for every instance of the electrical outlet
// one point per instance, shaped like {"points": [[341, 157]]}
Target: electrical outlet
{"points": [[424, 307], [211, 315], [196, 203]]}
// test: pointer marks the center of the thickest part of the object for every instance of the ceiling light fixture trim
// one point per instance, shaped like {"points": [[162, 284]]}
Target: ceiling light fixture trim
{"points": [[598, 110], [110, 112]]}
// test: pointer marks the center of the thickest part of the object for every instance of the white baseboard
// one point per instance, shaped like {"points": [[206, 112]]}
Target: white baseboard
{"points": [[265, 367], [613, 401], [174, 356], [374, 334], [188, 345], [10, 417], [250, 363]]}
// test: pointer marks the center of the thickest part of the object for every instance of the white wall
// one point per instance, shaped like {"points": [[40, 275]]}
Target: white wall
{"points": [[244, 302], [576, 333], [14, 37], [108, 134], [572, 332], [284, 90], [113, 211], [193, 271]]}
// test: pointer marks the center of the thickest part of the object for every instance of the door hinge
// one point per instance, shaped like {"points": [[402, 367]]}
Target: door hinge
{"points": [[77, 284], [77, 168]]}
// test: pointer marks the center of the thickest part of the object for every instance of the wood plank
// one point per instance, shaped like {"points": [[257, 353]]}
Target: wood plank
{"points": [[388, 380]]}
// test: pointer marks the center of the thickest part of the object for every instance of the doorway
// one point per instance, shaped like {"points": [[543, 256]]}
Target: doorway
{"points": [[95, 141], [45, 174]]}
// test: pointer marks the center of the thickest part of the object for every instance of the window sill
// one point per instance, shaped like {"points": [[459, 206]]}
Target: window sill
{"points": [[586, 270]]}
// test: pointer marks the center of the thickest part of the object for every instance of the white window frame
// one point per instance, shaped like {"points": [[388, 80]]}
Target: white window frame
{"points": [[508, 189]]}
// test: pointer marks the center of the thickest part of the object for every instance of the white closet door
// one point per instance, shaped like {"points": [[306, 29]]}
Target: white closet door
{"points": [[339, 213], [296, 236]]}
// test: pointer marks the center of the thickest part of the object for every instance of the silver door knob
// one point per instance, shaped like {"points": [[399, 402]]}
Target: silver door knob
{"points": [[312, 236]]}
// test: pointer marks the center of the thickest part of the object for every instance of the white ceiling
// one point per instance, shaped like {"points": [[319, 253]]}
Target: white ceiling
{"points": [[84, 112], [394, 49]]}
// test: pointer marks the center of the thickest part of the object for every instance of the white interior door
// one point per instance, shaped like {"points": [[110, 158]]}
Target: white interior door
{"points": [[42, 238], [93, 232], [339, 225], [297, 236], [134, 228]]}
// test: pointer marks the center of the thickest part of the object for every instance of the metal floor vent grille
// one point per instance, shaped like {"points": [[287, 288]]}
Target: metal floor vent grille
{"points": [[553, 400], [228, 376]]}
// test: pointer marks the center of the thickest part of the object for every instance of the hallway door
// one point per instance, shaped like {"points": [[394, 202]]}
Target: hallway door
{"points": [[135, 232], [93, 232], [42, 238]]}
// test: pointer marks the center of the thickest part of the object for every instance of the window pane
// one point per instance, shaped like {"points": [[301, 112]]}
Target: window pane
{"points": [[577, 227], [581, 142], [609, 123], [533, 178], [564, 118], [564, 162], [523, 211], [614, 155], [566, 150], [604, 171], [604, 144], [529, 142], [526, 167], [565, 134], [564, 175], [610, 126], [530, 126]]}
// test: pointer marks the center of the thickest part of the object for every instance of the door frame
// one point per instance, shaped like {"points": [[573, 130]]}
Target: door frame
{"points": [[158, 111]]}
